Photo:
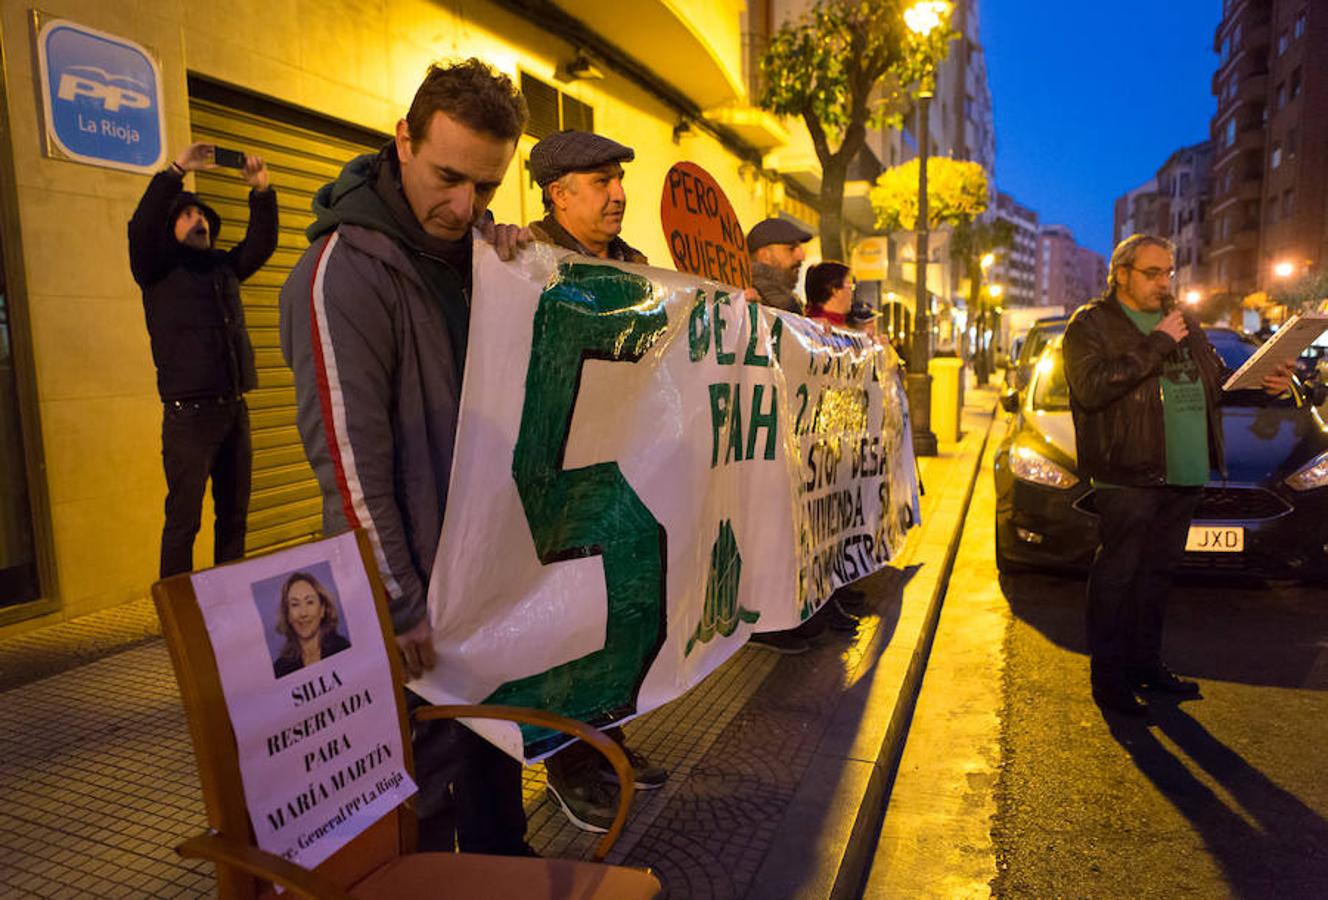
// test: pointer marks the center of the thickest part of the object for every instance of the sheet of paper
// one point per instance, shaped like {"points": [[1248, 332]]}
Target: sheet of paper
{"points": [[320, 743], [1286, 344]]}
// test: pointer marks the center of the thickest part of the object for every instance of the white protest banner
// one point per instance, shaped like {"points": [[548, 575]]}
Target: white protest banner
{"points": [[648, 469], [308, 686]]}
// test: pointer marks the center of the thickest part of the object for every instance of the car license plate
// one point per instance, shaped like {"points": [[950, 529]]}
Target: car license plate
{"points": [[1215, 539]]}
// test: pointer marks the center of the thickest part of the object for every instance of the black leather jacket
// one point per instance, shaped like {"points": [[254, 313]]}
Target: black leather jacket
{"points": [[1116, 398], [191, 298]]}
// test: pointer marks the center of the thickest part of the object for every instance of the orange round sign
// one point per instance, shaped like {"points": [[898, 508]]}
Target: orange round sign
{"points": [[704, 235]]}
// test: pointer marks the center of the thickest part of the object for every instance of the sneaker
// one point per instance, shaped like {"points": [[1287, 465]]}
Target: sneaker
{"points": [[646, 775], [784, 642], [589, 804]]}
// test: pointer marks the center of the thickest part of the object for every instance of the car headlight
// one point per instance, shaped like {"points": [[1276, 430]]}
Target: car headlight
{"points": [[1314, 474], [1029, 465]]}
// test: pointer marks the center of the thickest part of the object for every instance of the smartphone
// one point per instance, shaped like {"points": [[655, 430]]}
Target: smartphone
{"points": [[231, 159]]}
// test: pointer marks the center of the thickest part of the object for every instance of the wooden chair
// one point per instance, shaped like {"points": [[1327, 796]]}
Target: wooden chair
{"points": [[381, 861]]}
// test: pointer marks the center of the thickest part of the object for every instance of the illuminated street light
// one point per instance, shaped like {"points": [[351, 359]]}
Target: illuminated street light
{"points": [[1284, 269], [988, 260], [1192, 297], [995, 290], [926, 16]]}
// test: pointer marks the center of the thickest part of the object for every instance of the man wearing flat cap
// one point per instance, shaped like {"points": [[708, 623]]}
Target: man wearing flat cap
{"points": [[776, 249], [581, 176]]}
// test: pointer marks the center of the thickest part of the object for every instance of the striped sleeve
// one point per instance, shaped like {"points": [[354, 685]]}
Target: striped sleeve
{"points": [[339, 338]]}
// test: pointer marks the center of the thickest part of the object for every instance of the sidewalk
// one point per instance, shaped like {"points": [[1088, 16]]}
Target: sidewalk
{"points": [[779, 765]]}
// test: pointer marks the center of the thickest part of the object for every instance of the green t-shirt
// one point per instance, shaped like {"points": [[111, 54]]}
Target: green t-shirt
{"points": [[1184, 408]]}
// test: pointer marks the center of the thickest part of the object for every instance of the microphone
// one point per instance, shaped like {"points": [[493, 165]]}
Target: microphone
{"points": [[1168, 303]]}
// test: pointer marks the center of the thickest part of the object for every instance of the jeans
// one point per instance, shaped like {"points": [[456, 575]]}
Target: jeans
{"points": [[202, 439], [470, 791], [1143, 533]]}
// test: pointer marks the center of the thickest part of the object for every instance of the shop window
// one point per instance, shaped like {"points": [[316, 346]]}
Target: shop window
{"points": [[551, 110]]}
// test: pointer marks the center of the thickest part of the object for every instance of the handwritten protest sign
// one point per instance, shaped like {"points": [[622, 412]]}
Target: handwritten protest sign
{"points": [[704, 235], [648, 469], [319, 739]]}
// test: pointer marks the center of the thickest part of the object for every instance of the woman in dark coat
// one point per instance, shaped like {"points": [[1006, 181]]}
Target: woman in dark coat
{"points": [[307, 620]]}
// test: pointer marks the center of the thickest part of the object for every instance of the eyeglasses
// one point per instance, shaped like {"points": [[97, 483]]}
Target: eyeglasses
{"points": [[1152, 272], [848, 284]]}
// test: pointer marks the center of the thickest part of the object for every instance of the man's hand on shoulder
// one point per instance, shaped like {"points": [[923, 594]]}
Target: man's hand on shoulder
{"points": [[416, 646], [255, 172], [506, 239], [1173, 326]]}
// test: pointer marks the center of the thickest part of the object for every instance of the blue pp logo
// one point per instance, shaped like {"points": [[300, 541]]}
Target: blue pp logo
{"points": [[102, 96]]}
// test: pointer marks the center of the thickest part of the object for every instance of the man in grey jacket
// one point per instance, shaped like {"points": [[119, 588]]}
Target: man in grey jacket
{"points": [[374, 322]]}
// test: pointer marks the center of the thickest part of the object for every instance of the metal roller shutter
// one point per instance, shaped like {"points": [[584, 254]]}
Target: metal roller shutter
{"points": [[302, 154]]}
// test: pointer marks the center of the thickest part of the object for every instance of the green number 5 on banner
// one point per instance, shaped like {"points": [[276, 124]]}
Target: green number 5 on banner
{"points": [[589, 312]]}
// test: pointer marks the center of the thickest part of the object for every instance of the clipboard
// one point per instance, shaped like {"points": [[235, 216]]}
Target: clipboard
{"points": [[1287, 343]]}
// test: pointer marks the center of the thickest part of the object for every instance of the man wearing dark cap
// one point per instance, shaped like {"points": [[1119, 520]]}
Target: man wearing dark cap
{"points": [[581, 176], [205, 362], [776, 249]]}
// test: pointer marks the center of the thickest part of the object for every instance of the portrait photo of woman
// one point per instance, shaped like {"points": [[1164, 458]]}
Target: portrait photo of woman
{"points": [[307, 618]]}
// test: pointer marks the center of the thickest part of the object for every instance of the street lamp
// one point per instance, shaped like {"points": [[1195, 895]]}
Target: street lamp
{"points": [[1192, 297], [922, 18], [1284, 269]]}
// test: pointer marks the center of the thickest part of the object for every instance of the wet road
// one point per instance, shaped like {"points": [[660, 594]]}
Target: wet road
{"points": [[1222, 796]]}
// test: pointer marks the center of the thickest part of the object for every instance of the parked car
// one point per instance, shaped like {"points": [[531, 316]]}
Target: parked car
{"points": [[1040, 333], [1266, 519]]}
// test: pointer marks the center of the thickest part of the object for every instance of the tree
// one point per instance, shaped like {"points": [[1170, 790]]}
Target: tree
{"points": [[957, 192], [969, 242], [1304, 293], [842, 67]]}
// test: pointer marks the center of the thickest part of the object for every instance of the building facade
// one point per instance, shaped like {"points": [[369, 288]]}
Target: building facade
{"points": [[1137, 212], [1183, 189], [1068, 275], [1294, 234], [81, 488], [1016, 267]]}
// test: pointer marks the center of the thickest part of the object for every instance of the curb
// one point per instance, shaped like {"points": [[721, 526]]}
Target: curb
{"points": [[826, 839], [858, 855]]}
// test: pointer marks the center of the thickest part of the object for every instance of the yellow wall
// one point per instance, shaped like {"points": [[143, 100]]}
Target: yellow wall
{"points": [[357, 61]]}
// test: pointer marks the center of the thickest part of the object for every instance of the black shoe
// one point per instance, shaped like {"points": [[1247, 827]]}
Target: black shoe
{"points": [[1165, 681], [1119, 700], [646, 775], [851, 600], [785, 642], [588, 803], [840, 620]]}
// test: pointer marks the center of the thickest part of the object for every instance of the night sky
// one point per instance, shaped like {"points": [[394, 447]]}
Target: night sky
{"points": [[1090, 98]]}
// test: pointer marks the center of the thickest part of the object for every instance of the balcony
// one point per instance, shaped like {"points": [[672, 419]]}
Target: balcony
{"points": [[1253, 88]]}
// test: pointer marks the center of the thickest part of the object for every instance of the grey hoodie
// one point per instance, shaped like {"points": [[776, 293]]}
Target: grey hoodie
{"points": [[373, 324]]}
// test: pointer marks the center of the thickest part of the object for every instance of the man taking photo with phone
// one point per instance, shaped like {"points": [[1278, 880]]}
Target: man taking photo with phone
{"points": [[204, 360]]}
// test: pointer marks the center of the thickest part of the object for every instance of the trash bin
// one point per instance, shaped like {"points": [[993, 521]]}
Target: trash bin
{"points": [[946, 374]]}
